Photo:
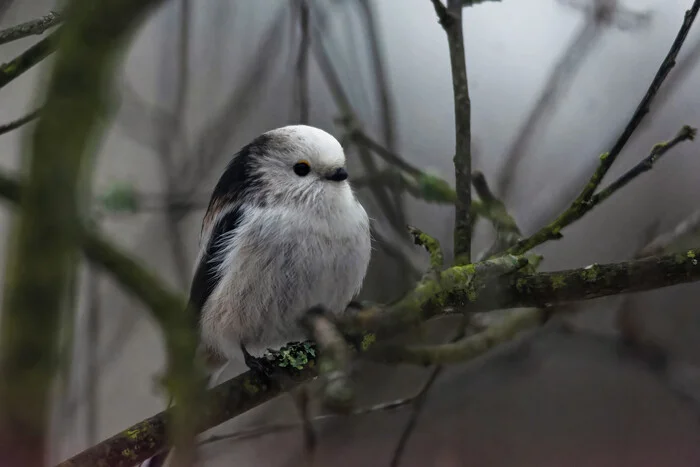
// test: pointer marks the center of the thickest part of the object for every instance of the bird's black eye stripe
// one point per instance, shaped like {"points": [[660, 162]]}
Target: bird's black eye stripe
{"points": [[302, 168]]}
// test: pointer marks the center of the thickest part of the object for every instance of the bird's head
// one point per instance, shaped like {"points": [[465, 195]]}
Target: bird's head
{"points": [[300, 163]]}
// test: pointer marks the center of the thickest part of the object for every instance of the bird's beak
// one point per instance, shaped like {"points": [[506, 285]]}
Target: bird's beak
{"points": [[337, 175]]}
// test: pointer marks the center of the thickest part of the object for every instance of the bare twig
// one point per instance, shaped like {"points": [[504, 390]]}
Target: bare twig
{"points": [[343, 103], [30, 28], [562, 74], [580, 205], [27, 59], [507, 231], [688, 226], [210, 145], [142, 121], [92, 368], [419, 399], [358, 136], [386, 106], [417, 405], [380, 74], [586, 202], [302, 67], [282, 427], [334, 360], [13, 125], [167, 145], [451, 20], [302, 402], [685, 134]]}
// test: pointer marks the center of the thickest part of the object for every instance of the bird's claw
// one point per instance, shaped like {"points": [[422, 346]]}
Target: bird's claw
{"points": [[259, 366]]}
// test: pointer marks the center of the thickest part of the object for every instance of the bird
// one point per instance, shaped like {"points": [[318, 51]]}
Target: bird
{"points": [[283, 232]]}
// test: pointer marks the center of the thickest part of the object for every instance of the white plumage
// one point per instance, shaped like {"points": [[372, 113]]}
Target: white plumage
{"points": [[275, 243], [298, 241]]}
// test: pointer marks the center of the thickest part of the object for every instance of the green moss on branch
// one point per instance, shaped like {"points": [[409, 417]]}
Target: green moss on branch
{"points": [[478, 287], [27, 59]]}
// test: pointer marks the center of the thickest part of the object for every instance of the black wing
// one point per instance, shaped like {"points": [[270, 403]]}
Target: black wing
{"points": [[205, 277], [238, 182]]}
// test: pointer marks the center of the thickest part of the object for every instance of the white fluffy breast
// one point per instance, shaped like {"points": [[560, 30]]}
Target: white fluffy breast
{"points": [[281, 262]]}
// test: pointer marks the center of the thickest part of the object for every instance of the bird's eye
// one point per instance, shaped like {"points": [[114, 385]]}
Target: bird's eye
{"points": [[302, 168]]}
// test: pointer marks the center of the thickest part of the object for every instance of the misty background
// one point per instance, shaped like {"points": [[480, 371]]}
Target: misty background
{"points": [[566, 399]]}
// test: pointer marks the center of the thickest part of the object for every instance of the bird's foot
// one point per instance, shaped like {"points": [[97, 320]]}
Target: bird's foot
{"points": [[261, 367]]}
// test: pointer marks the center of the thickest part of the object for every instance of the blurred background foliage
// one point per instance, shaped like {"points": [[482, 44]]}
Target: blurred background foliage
{"points": [[552, 83]]}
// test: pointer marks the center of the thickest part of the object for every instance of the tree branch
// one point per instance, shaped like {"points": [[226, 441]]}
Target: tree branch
{"points": [[301, 78], [507, 231], [30, 28], [464, 349], [27, 59], [13, 125], [581, 205], [451, 21], [431, 245], [295, 364], [685, 134], [688, 226], [334, 360]]}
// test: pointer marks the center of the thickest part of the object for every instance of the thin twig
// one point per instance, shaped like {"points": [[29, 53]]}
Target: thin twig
{"points": [[685, 134], [342, 101], [688, 226], [579, 206], [27, 59], [417, 406], [169, 137], [302, 66], [334, 360], [507, 231], [379, 72], [360, 137], [419, 399], [92, 368], [211, 143], [451, 21], [30, 28], [13, 125], [302, 400], [464, 349], [563, 73], [282, 427]]}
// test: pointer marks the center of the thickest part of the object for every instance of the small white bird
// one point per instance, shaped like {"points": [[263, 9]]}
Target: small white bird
{"points": [[283, 233]]}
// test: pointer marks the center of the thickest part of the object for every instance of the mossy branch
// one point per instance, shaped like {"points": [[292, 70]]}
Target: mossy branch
{"points": [[490, 285], [464, 349], [431, 245], [27, 59], [587, 200], [584, 201]]}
